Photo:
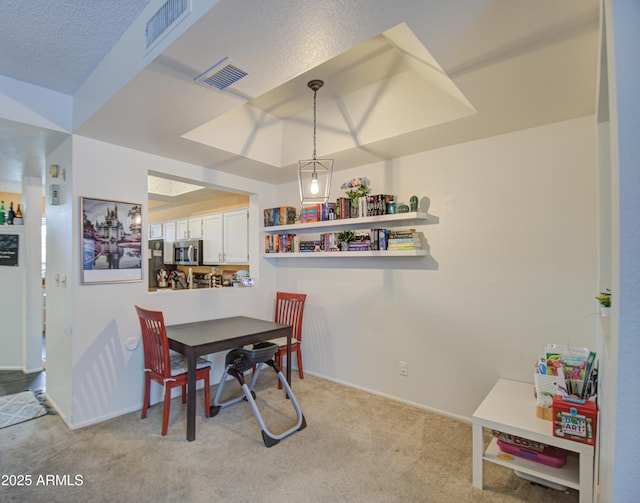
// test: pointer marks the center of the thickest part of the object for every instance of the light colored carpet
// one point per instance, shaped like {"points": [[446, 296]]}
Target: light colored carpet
{"points": [[356, 448], [19, 407]]}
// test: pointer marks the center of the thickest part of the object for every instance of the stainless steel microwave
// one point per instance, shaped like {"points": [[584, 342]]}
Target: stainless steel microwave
{"points": [[188, 252]]}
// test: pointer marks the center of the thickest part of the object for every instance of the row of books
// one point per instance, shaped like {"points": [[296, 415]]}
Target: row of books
{"points": [[373, 239], [341, 209], [317, 213], [404, 240], [373, 206], [282, 215]]}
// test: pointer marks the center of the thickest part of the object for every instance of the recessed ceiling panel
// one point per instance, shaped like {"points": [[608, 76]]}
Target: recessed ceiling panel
{"points": [[382, 88]]}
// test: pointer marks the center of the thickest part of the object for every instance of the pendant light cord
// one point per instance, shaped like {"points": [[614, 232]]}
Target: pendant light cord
{"points": [[314, 125]]}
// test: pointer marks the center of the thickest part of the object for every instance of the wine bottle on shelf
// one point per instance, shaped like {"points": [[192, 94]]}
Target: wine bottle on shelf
{"points": [[10, 214], [18, 218], [2, 222]]}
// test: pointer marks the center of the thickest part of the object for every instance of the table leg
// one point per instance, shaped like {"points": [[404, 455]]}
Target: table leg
{"points": [[477, 453], [289, 358], [191, 395], [586, 478]]}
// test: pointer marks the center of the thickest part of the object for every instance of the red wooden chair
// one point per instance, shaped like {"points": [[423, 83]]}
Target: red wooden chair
{"points": [[289, 311], [167, 370]]}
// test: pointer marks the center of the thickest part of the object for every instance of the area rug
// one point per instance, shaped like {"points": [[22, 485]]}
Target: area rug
{"points": [[19, 407]]}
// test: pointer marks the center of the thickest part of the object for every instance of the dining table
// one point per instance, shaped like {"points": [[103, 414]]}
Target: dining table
{"points": [[199, 338]]}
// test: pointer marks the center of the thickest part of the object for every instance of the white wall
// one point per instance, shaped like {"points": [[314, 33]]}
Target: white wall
{"points": [[32, 215], [512, 267], [92, 375], [59, 343], [620, 461], [12, 306]]}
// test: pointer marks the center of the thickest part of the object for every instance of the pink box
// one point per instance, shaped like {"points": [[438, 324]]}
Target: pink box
{"points": [[551, 456]]}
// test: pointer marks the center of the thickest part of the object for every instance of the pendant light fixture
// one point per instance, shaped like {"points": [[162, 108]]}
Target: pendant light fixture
{"points": [[314, 175]]}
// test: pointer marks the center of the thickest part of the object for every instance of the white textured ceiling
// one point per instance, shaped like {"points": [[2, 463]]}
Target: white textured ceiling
{"points": [[58, 43], [517, 64]]}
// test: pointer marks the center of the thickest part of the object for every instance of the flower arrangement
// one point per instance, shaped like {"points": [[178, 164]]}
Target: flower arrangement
{"points": [[604, 298], [357, 187]]}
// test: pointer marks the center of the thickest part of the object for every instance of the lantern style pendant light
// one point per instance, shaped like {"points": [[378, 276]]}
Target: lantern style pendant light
{"points": [[314, 175]]}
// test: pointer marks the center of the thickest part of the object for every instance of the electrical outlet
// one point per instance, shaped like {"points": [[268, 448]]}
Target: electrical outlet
{"points": [[404, 368]]}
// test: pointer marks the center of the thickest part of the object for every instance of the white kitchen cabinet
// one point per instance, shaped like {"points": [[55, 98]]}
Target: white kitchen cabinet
{"points": [[190, 228], [226, 237], [236, 236], [169, 231], [155, 231], [212, 240]]}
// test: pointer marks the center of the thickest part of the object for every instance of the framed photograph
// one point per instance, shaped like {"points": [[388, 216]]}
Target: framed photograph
{"points": [[111, 241], [9, 247]]}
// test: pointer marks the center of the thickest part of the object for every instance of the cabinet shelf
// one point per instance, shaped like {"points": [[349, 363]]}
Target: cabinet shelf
{"points": [[397, 218], [567, 475]]}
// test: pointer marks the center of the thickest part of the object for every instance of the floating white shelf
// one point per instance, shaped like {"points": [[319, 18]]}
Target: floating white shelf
{"points": [[396, 218], [349, 254]]}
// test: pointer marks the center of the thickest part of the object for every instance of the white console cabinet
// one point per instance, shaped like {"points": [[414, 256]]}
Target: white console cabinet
{"points": [[510, 407]]}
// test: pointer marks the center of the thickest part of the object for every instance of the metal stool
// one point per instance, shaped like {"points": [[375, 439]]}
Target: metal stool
{"points": [[240, 360]]}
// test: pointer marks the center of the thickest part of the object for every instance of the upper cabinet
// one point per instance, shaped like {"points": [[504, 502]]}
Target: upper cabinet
{"points": [[212, 241], [190, 228], [236, 236], [155, 231], [226, 237], [169, 231]]}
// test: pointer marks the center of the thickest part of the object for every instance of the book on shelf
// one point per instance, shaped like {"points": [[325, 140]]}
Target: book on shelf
{"points": [[343, 208], [310, 213], [330, 241], [379, 239], [281, 215], [328, 211], [403, 247], [403, 233], [377, 204], [280, 243], [404, 243], [359, 246], [310, 246]]}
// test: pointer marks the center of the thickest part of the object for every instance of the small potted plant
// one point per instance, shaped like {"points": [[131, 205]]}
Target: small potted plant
{"points": [[604, 298], [344, 238]]}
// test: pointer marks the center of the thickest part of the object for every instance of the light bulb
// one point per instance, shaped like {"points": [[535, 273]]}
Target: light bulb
{"points": [[314, 183]]}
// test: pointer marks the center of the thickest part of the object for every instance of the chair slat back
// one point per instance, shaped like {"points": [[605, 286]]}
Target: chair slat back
{"points": [[155, 342], [289, 311]]}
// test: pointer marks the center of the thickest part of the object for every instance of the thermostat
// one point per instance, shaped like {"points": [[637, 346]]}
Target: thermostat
{"points": [[54, 194]]}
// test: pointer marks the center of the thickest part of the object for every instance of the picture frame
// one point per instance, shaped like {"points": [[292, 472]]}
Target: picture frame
{"points": [[111, 241], [9, 248]]}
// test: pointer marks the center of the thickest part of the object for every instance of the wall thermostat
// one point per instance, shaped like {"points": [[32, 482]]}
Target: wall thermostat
{"points": [[54, 194]]}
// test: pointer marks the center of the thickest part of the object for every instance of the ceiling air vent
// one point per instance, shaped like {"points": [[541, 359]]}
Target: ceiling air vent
{"points": [[167, 17], [222, 75]]}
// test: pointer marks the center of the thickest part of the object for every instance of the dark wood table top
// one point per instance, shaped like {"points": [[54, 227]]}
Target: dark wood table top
{"points": [[211, 336]]}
